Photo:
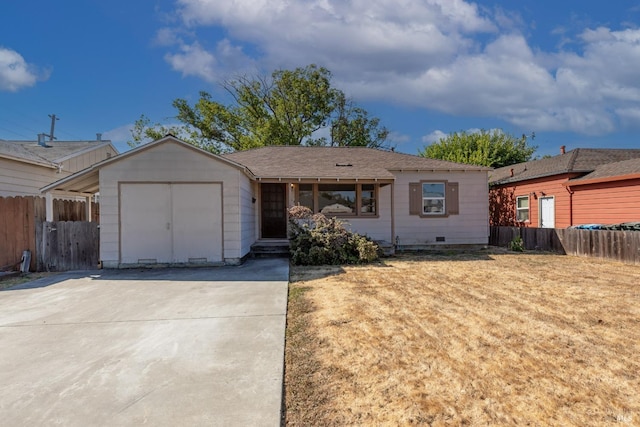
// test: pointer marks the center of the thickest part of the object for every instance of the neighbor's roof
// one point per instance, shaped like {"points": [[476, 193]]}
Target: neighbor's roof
{"points": [[297, 162], [580, 161], [626, 169], [50, 155]]}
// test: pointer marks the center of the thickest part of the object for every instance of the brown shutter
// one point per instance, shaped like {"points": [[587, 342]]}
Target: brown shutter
{"points": [[451, 199], [415, 198]]}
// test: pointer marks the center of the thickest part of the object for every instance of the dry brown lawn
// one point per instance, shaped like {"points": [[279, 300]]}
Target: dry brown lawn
{"points": [[489, 338]]}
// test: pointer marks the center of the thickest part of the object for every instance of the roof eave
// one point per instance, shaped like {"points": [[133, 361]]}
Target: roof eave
{"points": [[323, 178], [601, 180], [513, 180], [74, 177], [31, 162], [87, 150], [97, 166], [479, 169]]}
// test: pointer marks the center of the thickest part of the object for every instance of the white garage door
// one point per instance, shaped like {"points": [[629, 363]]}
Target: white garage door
{"points": [[170, 223]]}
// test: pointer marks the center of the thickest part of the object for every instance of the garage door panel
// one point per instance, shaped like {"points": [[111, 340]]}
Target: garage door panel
{"points": [[197, 222], [145, 222], [171, 222]]}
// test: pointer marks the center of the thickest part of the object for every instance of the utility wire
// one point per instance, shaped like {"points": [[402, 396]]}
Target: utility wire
{"points": [[14, 132]]}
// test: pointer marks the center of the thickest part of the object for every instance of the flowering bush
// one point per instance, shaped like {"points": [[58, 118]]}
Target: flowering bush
{"points": [[317, 240]]}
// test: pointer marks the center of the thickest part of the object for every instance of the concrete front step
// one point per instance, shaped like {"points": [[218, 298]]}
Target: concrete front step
{"points": [[270, 248]]}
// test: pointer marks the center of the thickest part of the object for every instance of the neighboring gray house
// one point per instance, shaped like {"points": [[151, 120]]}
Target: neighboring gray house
{"points": [[168, 202], [27, 166]]}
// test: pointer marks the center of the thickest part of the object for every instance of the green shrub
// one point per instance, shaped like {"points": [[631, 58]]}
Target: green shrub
{"points": [[517, 244], [318, 240]]}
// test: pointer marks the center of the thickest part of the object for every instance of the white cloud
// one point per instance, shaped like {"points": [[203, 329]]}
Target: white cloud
{"points": [[398, 138], [194, 60], [119, 134], [16, 73], [434, 136], [437, 134], [444, 55], [168, 37], [348, 37]]}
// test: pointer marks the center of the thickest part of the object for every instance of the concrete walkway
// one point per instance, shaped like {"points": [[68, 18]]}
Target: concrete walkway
{"points": [[167, 347]]}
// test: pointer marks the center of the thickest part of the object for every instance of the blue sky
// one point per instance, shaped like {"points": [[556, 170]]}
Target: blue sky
{"points": [[566, 70]]}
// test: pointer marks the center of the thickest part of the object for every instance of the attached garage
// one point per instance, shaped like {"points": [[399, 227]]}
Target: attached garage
{"points": [[171, 223], [170, 203]]}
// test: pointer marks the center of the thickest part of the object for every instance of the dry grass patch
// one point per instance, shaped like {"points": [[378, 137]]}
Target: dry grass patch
{"points": [[467, 339], [8, 282]]}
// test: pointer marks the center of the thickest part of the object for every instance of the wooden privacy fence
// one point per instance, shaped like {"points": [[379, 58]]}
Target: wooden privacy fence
{"points": [[21, 219], [68, 245], [622, 246]]}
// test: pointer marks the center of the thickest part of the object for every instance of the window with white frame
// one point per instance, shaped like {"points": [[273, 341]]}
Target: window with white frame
{"points": [[522, 208], [433, 198]]}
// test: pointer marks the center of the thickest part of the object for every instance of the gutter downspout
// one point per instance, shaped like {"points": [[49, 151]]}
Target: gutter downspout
{"points": [[394, 238], [570, 204]]}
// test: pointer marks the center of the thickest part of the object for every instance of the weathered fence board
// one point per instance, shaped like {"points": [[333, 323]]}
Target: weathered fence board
{"points": [[69, 245], [622, 246], [21, 226], [17, 230]]}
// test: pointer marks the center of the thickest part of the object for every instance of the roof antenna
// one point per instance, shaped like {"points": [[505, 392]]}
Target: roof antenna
{"points": [[53, 127]]}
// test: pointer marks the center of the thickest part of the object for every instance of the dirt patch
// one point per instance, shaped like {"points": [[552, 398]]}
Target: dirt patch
{"points": [[465, 339]]}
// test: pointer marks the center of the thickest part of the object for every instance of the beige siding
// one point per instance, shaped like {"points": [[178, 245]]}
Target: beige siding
{"points": [[377, 228], [471, 226], [248, 213], [84, 160], [25, 179], [169, 162]]}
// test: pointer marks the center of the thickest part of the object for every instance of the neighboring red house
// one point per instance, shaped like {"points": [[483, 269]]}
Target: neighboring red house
{"points": [[581, 186]]}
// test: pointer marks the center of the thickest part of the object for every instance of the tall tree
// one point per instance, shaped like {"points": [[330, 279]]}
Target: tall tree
{"points": [[352, 126], [291, 107], [485, 148]]}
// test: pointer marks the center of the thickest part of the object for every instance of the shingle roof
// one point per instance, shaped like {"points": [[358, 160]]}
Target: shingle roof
{"points": [[31, 151], [580, 160], [294, 162], [623, 168]]}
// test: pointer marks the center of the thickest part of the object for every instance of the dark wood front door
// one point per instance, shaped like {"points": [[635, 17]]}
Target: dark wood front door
{"points": [[274, 211]]}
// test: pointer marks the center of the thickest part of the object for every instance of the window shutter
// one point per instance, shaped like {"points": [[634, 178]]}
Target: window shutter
{"points": [[451, 199], [415, 198]]}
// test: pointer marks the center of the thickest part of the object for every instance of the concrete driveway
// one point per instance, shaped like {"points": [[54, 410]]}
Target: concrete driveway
{"points": [[167, 347]]}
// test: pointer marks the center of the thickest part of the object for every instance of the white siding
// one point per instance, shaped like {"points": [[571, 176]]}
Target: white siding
{"points": [[25, 179], [471, 226], [248, 213], [169, 162], [83, 161]]}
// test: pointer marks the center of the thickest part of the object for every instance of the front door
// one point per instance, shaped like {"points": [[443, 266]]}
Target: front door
{"points": [[274, 211], [547, 212]]}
